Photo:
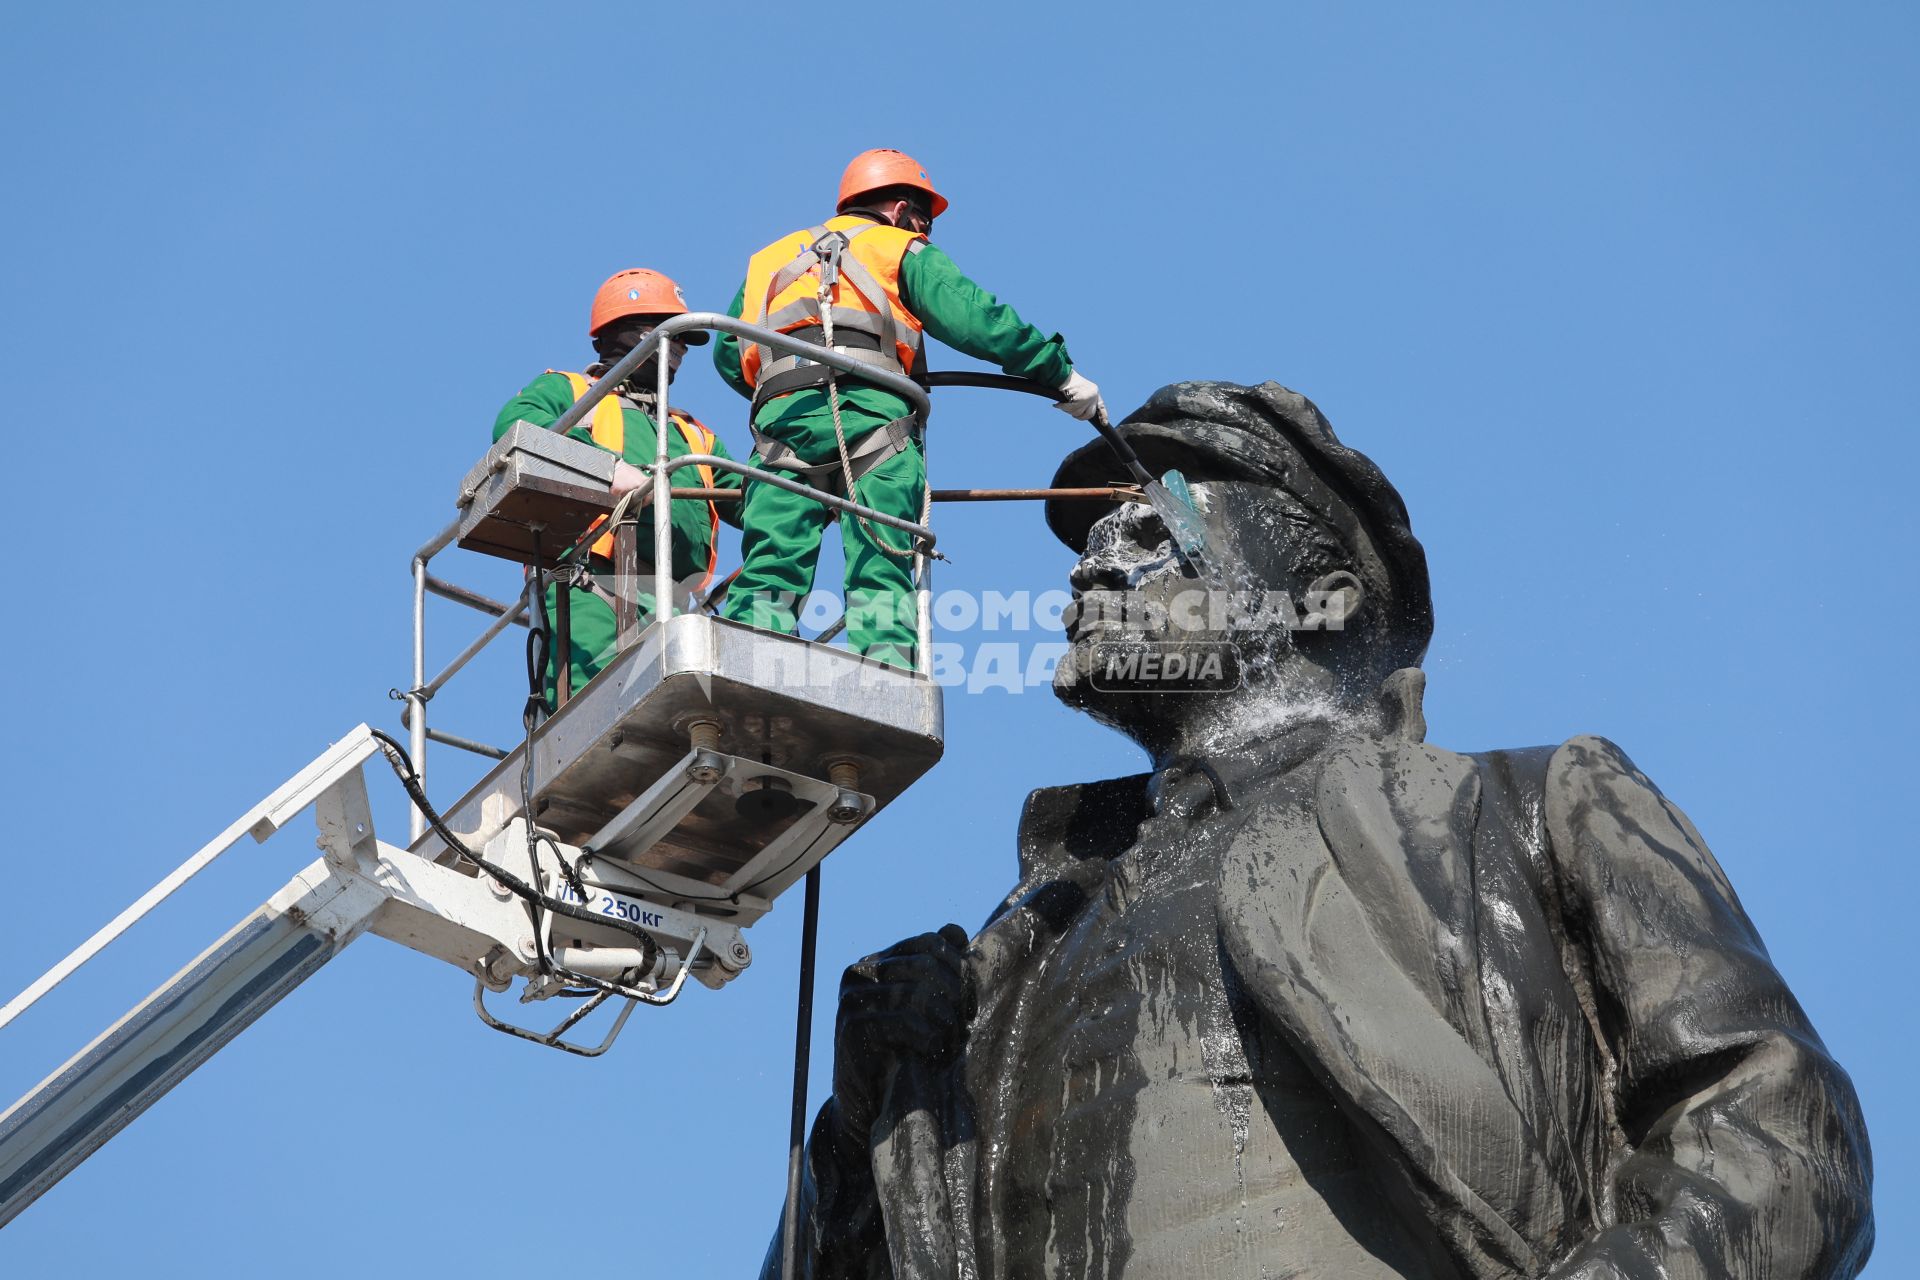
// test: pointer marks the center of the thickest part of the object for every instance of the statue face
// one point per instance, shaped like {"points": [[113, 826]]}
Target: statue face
{"points": [[1152, 647]]}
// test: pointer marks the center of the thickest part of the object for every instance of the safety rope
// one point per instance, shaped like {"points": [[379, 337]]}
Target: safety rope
{"points": [[829, 273], [583, 576], [621, 507]]}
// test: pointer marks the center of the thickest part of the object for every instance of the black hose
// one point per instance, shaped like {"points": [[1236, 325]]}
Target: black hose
{"points": [[539, 651], [993, 382], [403, 766], [1007, 382]]}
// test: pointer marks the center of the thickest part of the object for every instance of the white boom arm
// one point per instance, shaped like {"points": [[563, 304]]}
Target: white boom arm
{"points": [[359, 885]]}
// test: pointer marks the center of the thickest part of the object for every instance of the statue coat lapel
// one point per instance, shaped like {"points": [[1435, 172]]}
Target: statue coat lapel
{"points": [[1352, 922]]}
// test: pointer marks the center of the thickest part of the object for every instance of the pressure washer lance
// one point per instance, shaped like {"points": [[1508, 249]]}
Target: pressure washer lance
{"points": [[1175, 510]]}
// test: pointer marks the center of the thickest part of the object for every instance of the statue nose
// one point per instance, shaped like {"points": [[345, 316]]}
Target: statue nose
{"points": [[1102, 569], [1130, 528], [1121, 546], [1086, 573]]}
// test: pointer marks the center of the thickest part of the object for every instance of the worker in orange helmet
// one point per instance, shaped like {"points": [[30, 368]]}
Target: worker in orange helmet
{"points": [[625, 310], [887, 288]]}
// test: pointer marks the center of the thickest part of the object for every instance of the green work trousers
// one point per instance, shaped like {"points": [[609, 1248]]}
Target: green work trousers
{"points": [[780, 548], [591, 628]]}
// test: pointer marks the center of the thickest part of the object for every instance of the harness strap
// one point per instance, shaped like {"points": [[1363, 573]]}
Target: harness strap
{"points": [[701, 440], [869, 452], [643, 569], [803, 262], [799, 315], [877, 298], [859, 338], [802, 374], [608, 428]]}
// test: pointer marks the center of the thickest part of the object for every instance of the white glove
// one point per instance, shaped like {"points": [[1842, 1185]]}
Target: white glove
{"points": [[1083, 398], [627, 478]]}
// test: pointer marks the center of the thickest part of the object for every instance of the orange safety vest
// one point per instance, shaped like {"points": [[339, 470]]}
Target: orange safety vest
{"points": [[609, 427], [870, 323]]}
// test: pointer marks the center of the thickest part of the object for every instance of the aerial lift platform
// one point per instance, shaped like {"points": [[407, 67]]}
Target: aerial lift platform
{"points": [[621, 848], [617, 851]]}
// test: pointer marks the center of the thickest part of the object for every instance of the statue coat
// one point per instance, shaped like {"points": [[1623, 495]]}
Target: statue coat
{"points": [[1520, 975]]}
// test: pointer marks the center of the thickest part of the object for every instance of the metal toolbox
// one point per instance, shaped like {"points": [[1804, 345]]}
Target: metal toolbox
{"points": [[534, 485]]}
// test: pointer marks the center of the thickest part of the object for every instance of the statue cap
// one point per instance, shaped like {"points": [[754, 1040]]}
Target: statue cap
{"points": [[1271, 435]]}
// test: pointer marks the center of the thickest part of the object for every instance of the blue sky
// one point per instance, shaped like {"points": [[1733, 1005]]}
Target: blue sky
{"points": [[1621, 298]]}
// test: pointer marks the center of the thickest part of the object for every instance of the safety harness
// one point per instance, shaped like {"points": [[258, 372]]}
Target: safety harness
{"points": [[872, 337], [874, 448], [608, 426]]}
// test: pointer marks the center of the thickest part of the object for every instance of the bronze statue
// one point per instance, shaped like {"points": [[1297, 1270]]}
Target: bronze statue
{"points": [[1314, 998]]}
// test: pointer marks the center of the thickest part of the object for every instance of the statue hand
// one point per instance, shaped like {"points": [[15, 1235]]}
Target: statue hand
{"points": [[911, 1002]]}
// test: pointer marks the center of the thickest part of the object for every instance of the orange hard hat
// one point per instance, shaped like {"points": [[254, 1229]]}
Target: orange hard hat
{"points": [[639, 292], [885, 167]]}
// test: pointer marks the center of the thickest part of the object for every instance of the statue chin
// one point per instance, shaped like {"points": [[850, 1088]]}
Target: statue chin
{"points": [[1278, 687], [1069, 674], [1073, 685], [1140, 715]]}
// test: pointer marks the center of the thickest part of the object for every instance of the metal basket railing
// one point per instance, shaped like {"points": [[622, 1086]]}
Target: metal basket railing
{"points": [[415, 698]]}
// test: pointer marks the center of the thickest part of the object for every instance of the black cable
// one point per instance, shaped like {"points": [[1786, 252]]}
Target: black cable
{"points": [[802, 1053], [539, 653], [675, 894], [733, 898], [572, 872], [587, 852], [781, 870], [539, 657], [403, 766]]}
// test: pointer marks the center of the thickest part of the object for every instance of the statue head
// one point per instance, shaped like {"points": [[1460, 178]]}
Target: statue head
{"points": [[1325, 590]]}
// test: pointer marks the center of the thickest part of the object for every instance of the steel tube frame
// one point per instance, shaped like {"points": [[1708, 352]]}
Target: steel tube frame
{"points": [[472, 599], [414, 715], [415, 710], [661, 479], [905, 388], [923, 581], [438, 543], [919, 532], [923, 537], [467, 744], [939, 495]]}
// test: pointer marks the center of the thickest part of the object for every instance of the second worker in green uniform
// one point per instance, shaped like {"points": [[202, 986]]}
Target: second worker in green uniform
{"points": [[625, 310], [888, 285]]}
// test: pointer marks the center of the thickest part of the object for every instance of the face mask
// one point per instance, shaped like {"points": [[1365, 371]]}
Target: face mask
{"points": [[645, 379]]}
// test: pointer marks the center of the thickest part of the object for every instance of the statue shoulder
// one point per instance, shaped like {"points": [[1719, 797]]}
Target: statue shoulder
{"points": [[1070, 827], [1591, 755], [1061, 825], [1598, 804]]}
